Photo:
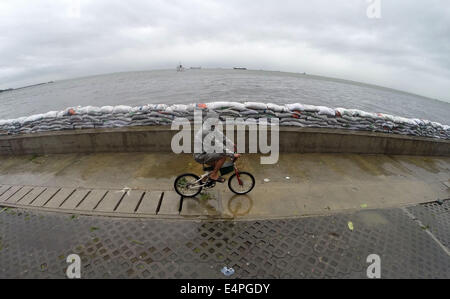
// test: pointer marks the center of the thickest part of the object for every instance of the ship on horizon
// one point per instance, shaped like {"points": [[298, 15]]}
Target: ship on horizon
{"points": [[180, 68]]}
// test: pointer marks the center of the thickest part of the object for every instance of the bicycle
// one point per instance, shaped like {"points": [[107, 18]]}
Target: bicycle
{"points": [[190, 184]]}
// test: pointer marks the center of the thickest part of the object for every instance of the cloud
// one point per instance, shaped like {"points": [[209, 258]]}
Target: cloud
{"points": [[406, 49]]}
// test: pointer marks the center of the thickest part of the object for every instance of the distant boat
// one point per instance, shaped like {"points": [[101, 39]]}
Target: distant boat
{"points": [[240, 68], [195, 67], [180, 68]]}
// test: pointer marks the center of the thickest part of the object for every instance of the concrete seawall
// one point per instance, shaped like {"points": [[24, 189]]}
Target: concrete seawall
{"points": [[158, 139]]}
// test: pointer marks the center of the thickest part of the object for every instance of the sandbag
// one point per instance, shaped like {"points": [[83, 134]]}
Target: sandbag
{"points": [[121, 109], [294, 107], [255, 105], [295, 114], [326, 111], [276, 108], [226, 105]]}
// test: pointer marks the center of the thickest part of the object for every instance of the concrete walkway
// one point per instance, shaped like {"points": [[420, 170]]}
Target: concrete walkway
{"points": [[36, 244], [362, 205], [139, 184]]}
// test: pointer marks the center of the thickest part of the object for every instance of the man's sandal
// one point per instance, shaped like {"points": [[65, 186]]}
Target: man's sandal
{"points": [[219, 179]]}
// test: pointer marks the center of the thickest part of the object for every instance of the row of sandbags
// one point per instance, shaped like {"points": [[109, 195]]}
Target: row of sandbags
{"points": [[299, 115]]}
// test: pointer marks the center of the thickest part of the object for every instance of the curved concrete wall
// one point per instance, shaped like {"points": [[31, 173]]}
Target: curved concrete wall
{"points": [[158, 139]]}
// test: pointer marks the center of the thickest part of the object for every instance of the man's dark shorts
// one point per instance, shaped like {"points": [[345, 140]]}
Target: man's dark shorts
{"points": [[206, 158]]}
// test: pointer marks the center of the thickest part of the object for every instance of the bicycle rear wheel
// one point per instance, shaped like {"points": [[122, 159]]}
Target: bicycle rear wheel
{"points": [[246, 184], [188, 185]]}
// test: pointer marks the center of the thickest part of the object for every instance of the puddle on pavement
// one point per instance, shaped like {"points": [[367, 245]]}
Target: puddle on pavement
{"points": [[392, 161], [140, 170], [166, 165], [372, 218], [369, 165], [239, 205], [205, 204], [425, 163]]}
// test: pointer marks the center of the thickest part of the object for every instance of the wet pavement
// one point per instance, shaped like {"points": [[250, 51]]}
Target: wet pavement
{"points": [[305, 184], [412, 242]]}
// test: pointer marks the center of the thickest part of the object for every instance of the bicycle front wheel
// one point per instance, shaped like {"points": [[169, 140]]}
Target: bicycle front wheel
{"points": [[243, 185], [188, 185]]}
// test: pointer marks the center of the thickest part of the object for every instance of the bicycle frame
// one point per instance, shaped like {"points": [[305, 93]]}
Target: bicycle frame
{"points": [[203, 176], [236, 171], [199, 180]]}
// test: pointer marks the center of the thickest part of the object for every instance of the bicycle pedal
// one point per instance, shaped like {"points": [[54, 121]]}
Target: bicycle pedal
{"points": [[209, 185]]}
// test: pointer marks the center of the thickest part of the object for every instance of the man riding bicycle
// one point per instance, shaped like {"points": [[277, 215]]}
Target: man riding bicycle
{"points": [[211, 147], [215, 146]]}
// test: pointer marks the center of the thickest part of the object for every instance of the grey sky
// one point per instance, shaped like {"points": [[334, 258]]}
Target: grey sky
{"points": [[406, 49]]}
